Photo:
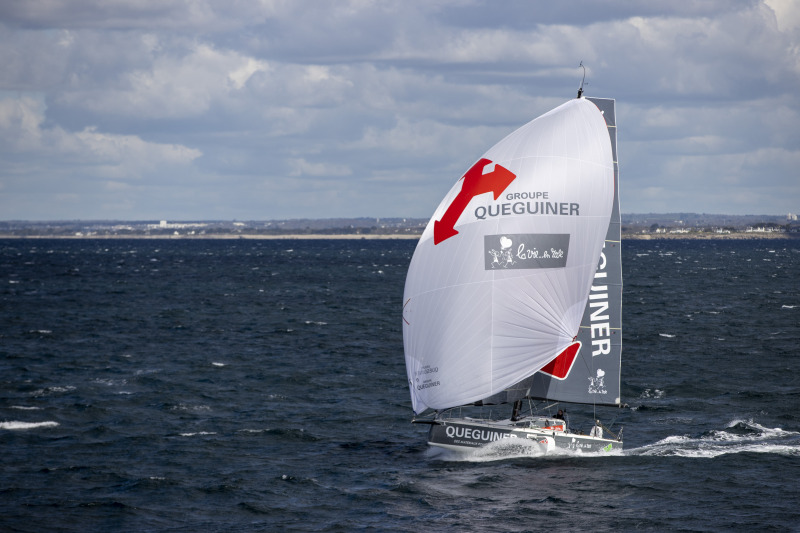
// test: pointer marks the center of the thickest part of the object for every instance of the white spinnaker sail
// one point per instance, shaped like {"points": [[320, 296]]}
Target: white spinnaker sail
{"points": [[501, 275]]}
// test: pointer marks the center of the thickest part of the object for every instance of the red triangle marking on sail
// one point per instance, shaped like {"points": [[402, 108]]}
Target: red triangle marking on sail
{"points": [[560, 366]]}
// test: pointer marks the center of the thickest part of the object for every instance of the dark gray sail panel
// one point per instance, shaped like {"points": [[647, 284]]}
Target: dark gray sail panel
{"points": [[595, 375]]}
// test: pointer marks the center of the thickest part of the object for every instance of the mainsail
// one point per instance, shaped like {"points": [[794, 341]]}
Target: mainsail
{"points": [[501, 276], [594, 377]]}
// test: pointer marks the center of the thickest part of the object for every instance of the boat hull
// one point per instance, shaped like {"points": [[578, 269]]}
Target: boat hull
{"points": [[466, 435]]}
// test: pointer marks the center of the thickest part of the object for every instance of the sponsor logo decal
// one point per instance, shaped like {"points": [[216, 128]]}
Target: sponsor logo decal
{"points": [[527, 208], [457, 433], [426, 377], [599, 306], [577, 445], [596, 384], [475, 183], [525, 251]]}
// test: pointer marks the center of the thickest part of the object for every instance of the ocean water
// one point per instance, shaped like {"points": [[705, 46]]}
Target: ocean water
{"points": [[218, 385]]}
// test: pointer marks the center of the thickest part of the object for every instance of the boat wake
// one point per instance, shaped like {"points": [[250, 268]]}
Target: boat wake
{"points": [[739, 437], [494, 451], [505, 449]]}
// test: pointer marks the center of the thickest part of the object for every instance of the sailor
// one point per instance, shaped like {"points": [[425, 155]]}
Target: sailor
{"points": [[597, 430], [560, 414]]}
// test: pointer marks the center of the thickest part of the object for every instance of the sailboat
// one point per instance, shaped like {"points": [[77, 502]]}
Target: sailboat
{"points": [[512, 302]]}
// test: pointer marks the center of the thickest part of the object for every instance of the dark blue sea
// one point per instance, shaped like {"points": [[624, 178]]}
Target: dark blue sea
{"points": [[259, 385]]}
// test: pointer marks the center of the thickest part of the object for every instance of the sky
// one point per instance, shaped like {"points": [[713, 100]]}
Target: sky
{"points": [[280, 109]]}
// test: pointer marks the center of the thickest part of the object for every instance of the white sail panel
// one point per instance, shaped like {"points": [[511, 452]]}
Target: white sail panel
{"points": [[500, 277]]}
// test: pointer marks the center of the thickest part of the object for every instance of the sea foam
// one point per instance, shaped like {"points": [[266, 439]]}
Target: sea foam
{"points": [[16, 425]]}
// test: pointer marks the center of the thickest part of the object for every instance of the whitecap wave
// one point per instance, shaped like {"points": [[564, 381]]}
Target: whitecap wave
{"points": [[110, 382], [51, 390], [61, 389], [190, 408], [739, 436], [17, 425]]}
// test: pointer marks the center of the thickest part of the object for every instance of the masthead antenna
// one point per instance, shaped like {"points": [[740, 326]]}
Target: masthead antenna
{"points": [[580, 89]]}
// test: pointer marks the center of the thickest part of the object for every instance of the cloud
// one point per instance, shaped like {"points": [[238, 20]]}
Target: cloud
{"points": [[176, 84], [23, 133], [787, 14], [202, 108], [301, 167], [113, 14]]}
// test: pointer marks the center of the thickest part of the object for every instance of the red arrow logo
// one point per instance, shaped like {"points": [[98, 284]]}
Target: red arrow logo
{"points": [[475, 183]]}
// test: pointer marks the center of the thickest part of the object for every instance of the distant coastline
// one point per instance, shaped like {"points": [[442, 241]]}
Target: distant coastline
{"points": [[651, 226], [709, 236]]}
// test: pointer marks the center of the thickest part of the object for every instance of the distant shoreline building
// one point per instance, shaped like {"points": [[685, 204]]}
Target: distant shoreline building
{"points": [[166, 225]]}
